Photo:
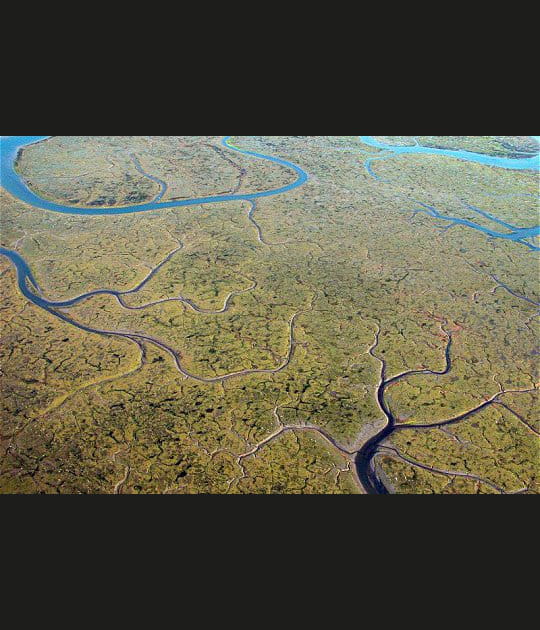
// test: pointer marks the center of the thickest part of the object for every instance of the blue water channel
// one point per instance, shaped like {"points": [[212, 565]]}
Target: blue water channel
{"points": [[522, 163], [516, 234], [14, 184]]}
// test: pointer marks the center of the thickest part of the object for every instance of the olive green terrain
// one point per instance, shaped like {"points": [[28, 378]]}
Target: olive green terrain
{"points": [[265, 381]]}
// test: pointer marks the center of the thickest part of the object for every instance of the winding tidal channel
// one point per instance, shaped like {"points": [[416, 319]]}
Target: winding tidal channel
{"points": [[365, 458]]}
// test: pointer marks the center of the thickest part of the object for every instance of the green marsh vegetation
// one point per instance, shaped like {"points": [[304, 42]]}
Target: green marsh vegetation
{"points": [[345, 253]]}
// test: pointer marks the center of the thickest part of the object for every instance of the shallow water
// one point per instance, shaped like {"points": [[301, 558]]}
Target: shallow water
{"points": [[528, 163]]}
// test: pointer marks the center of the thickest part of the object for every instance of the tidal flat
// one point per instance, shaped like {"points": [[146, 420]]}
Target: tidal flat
{"points": [[245, 346]]}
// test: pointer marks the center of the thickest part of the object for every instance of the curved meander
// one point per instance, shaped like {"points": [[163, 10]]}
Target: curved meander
{"points": [[15, 185]]}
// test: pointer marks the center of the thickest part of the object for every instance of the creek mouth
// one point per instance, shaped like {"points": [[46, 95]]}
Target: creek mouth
{"points": [[365, 458], [365, 463]]}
